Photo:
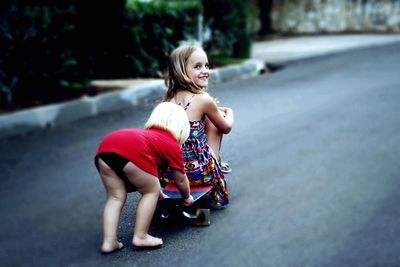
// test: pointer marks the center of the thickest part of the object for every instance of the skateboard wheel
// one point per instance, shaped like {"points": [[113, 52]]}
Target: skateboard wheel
{"points": [[203, 217]]}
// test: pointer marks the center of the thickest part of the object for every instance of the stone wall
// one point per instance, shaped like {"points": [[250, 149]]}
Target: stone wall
{"points": [[333, 16]]}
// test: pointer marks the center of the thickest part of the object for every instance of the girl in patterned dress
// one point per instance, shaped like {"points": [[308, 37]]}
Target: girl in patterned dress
{"points": [[186, 81]]}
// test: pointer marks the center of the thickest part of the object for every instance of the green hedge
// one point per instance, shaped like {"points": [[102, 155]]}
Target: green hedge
{"points": [[34, 57], [232, 25], [50, 50], [156, 28]]}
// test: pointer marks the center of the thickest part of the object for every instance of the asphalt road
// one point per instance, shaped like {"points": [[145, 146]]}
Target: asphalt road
{"points": [[315, 180]]}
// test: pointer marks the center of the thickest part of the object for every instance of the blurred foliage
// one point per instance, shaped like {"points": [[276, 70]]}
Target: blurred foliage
{"points": [[35, 62], [232, 25], [50, 50], [156, 28]]}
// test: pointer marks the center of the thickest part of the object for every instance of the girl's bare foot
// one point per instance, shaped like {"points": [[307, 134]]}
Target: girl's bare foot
{"points": [[147, 242], [111, 247]]}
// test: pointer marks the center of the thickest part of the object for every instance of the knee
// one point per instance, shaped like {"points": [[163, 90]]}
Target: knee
{"points": [[153, 187], [118, 199], [147, 184], [156, 187]]}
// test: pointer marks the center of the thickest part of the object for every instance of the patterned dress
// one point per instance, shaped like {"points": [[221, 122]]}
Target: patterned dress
{"points": [[201, 166]]}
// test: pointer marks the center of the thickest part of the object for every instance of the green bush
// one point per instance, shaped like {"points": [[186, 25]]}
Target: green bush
{"points": [[51, 50], [35, 63], [156, 28], [232, 25]]}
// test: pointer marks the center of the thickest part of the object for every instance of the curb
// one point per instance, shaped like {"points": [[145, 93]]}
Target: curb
{"points": [[52, 115]]}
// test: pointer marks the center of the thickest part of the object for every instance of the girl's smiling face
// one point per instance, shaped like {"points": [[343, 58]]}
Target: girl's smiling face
{"points": [[197, 68]]}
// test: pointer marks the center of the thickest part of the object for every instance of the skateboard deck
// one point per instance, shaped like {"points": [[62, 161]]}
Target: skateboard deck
{"points": [[174, 202], [196, 191]]}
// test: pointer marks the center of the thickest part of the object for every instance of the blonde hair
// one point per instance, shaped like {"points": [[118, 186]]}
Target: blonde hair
{"points": [[176, 77], [171, 117]]}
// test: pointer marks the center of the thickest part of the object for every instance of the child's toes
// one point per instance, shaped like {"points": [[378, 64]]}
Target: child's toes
{"points": [[147, 242]]}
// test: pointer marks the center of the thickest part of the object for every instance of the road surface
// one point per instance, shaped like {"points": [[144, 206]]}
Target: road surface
{"points": [[315, 181]]}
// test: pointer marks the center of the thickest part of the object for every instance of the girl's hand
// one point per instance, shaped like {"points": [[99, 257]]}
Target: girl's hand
{"points": [[188, 201]]}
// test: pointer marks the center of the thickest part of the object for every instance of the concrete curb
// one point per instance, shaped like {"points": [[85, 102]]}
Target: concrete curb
{"points": [[57, 114]]}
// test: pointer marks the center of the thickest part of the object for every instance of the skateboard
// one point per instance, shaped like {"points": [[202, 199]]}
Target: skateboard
{"points": [[173, 205]]}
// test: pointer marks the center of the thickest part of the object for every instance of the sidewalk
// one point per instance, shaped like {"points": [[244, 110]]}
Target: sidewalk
{"points": [[276, 51], [133, 92], [290, 49]]}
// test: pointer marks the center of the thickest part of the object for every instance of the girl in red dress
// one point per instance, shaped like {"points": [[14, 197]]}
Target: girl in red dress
{"points": [[133, 159]]}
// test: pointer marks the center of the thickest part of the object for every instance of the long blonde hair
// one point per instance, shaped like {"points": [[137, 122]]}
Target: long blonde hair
{"points": [[171, 117], [176, 78]]}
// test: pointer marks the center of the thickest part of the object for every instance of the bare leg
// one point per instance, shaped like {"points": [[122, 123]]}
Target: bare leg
{"points": [[116, 197], [149, 186], [214, 138]]}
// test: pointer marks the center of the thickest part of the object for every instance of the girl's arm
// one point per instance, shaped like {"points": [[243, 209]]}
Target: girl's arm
{"points": [[182, 183], [227, 113], [221, 117]]}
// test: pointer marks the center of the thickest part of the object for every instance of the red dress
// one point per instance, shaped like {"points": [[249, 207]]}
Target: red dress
{"points": [[152, 150]]}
